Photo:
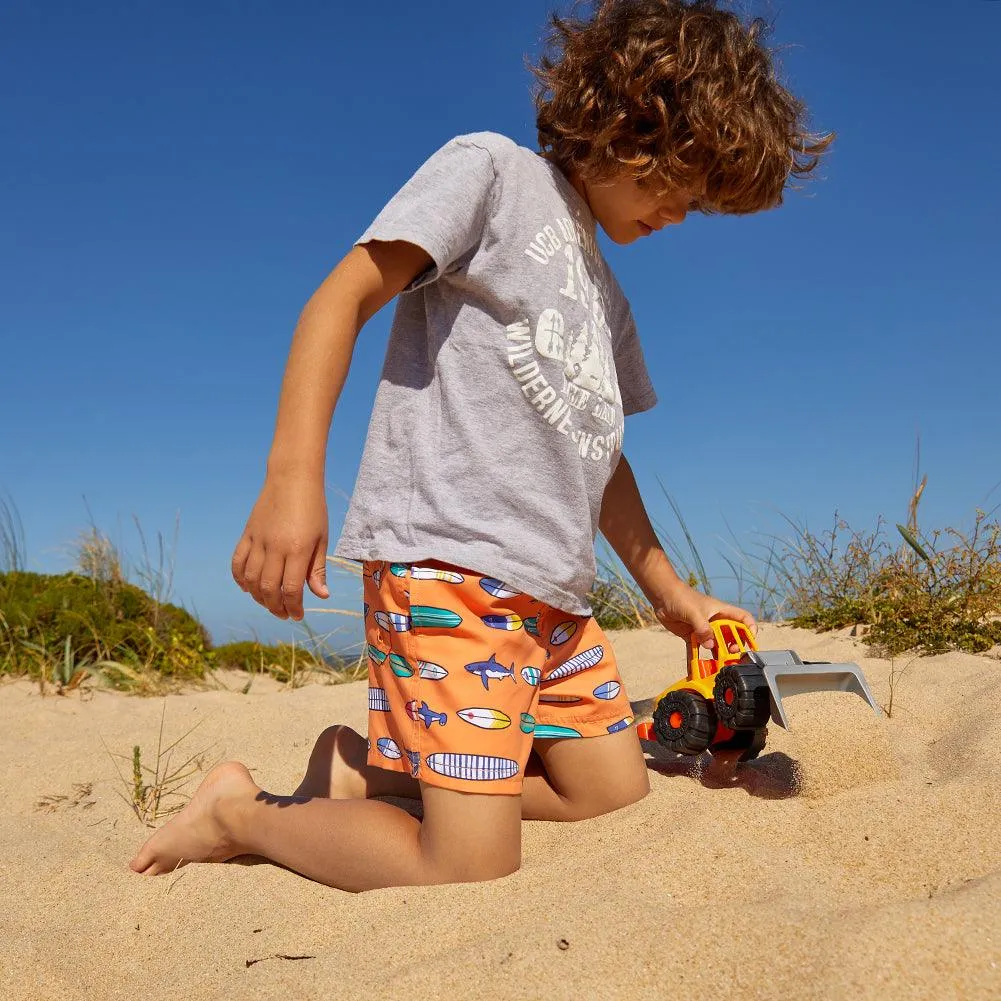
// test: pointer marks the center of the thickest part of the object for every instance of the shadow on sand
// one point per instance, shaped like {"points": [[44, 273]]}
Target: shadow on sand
{"points": [[771, 776]]}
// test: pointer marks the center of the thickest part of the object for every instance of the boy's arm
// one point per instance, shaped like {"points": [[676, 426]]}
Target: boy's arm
{"points": [[625, 524], [366, 279], [284, 543]]}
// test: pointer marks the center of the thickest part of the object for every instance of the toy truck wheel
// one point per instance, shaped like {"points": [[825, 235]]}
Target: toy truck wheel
{"points": [[741, 697], [684, 722]]}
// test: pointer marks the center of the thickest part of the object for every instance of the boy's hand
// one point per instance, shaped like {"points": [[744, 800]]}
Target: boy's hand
{"points": [[284, 545], [686, 613]]}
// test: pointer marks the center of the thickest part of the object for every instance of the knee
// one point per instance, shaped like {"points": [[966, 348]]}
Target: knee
{"points": [[336, 763], [475, 871], [469, 837], [610, 800], [340, 738]]}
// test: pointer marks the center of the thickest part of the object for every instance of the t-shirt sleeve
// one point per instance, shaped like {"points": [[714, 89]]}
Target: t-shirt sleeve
{"points": [[635, 386], [443, 208]]}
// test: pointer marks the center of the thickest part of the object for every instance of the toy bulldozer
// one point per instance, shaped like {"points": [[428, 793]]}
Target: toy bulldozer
{"points": [[725, 702]]}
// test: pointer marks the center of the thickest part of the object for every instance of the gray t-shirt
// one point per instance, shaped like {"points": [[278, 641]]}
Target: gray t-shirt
{"points": [[499, 415]]}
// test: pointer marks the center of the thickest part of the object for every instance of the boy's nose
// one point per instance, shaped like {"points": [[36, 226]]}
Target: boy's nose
{"points": [[673, 214]]}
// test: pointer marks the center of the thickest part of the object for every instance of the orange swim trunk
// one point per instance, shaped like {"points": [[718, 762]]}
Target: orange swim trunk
{"points": [[465, 672]]}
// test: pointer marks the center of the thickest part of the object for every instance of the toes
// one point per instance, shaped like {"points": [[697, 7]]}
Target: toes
{"points": [[146, 862], [148, 866]]}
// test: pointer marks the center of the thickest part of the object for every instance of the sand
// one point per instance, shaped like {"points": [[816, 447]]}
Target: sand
{"points": [[856, 858]]}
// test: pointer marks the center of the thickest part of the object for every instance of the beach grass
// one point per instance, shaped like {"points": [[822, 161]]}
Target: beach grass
{"points": [[153, 793], [912, 590], [906, 590], [112, 624]]}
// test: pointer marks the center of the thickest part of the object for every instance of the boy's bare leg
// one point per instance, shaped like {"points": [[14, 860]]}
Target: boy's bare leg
{"points": [[338, 769], [568, 779], [355, 844]]}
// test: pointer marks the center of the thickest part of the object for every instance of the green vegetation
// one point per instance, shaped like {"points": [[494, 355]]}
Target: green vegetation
{"points": [[92, 623], [929, 594], [154, 793], [61, 625], [924, 592], [616, 601], [62, 629], [285, 662], [912, 591]]}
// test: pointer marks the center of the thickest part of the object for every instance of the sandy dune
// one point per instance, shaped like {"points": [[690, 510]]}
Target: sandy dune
{"points": [[856, 858]]}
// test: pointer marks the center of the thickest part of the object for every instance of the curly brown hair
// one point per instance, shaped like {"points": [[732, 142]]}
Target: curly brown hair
{"points": [[677, 94]]}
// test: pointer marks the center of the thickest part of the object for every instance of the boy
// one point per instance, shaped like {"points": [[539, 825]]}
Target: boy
{"points": [[492, 460]]}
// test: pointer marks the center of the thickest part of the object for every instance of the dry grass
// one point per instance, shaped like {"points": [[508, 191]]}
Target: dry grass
{"points": [[930, 593], [153, 793], [896, 673]]}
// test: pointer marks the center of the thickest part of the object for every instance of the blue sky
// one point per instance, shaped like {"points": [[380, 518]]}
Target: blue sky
{"points": [[178, 178]]}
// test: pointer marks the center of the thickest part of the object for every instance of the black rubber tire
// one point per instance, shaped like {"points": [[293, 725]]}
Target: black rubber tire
{"points": [[751, 742], [749, 706], [697, 722]]}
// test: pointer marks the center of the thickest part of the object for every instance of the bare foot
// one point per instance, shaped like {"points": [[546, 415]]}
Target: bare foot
{"points": [[336, 766], [198, 833]]}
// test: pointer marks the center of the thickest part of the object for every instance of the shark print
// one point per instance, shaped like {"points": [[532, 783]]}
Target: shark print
{"points": [[463, 678], [490, 670]]}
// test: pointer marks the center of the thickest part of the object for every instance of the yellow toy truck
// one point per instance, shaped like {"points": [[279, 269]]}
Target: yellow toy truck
{"points": [[727, 700]]}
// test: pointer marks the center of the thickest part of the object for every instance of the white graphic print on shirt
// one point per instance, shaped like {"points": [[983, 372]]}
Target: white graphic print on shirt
{"points": [[577, 337], [437, 476]]}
